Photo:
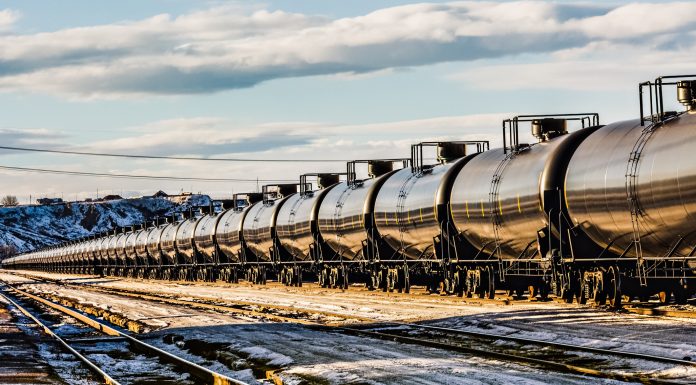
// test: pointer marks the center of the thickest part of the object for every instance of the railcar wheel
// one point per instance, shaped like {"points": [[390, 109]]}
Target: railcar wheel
{"points": [[344, 274], [407, 280], [664, 296], [584, 292], [614, 287], [599, 294], [458, 283], [483, 284], [532, 292], [490, 293], [518, 293], [543, 292], [391, 280], [681, 295], [373, 282]]}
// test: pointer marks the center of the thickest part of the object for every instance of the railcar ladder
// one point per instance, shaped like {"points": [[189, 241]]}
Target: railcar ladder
{"points": [[632, 196], [401, 219], [496, 215]]}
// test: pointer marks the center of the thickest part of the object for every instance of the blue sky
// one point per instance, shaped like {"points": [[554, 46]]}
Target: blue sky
{"points": [[305, 79]]}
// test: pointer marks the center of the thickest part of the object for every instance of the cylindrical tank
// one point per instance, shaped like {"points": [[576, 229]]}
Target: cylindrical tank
{"points": [[120, 249], [141, 246], [111, 250], [665, 186], [204, 237], [228, 232], [103, 251], [294, 223], [184, 240], [153, 244], [509, 190], [406, 212], [341, 217], [131, 256], [167, 246], [258, 226]]}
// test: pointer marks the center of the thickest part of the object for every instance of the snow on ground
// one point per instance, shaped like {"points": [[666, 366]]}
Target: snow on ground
{"points": [[335, 358], [342, 359]]}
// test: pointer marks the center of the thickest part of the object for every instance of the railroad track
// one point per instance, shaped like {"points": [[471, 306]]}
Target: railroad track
{"points": [[561, 357], [81, 342]]}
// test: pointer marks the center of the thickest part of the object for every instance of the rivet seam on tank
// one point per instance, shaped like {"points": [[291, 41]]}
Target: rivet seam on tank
{"points": [[466, 205], [500, 206], [483, 213], [519, 207], [421, 214]]}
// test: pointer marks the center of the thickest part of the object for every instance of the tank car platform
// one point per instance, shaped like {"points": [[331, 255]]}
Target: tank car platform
{"points": [[19, 358]]}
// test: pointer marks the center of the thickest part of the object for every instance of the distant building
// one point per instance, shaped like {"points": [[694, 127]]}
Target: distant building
{"points": [[49, 201], [112, 197], [180, 198]]}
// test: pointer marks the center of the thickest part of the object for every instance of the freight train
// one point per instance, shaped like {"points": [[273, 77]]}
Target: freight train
{"points": [[603, 213]]}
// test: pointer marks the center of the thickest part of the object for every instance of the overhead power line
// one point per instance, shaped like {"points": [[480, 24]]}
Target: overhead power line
{"points": [[67, 152], [129, 176]]}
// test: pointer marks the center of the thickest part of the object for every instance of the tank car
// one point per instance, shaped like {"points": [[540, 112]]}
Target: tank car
{"points": [[258, 230], [345, 227], [500, 206], [408, 214], [141, 255], [229, 244], [185, 248], [630, 188], [131, 260], [296, 227], [154, 252]]}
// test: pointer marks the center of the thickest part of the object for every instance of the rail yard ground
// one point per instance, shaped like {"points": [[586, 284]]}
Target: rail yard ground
{"points": [[285, 334]]}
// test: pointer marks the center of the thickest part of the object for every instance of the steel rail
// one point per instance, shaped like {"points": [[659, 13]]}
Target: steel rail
{"points": [[91, 365], [202, 304], [353, 330], [198, 371], [588, 349], [558, 366]]}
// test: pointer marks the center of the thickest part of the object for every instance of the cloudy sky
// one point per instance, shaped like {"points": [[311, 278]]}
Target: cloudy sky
{"points": [[304, 79]]}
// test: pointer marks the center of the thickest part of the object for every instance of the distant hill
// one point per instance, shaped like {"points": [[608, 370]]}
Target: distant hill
{"points": [[26, 228]]}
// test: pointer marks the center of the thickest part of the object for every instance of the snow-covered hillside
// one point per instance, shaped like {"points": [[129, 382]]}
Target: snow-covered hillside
{"points": [[26, 228]]}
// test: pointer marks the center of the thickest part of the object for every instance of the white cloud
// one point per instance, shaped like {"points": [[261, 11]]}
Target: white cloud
{"points": [[8, 18], [591, 68], [211, 136], [231, 47]]}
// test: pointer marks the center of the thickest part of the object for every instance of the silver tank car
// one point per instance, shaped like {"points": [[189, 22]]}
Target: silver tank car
{"points": [[153, 244], [665, 187], [228, 231], [259, 222], [141, 246], [228, 234], [103, 250], [341, 217], [406, 206], [129, 248], [111, 250], [204, 237], [497, 201], [298, 214], [167, 245], [121, 249], [184, 240]]}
